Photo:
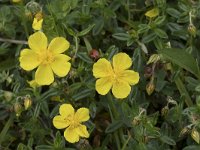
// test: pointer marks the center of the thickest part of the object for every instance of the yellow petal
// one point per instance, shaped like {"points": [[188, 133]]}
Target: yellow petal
{"points": [[58, 45], [82, 114], [37, 41], [66, 110], [82, 131], [121, 61], [37, 24], [102, 68], [130, 76], [121, 89], [71, 135], [33, 84], [61, 66], [44, 75], [103, 85], [28, 59], [59, 122]]}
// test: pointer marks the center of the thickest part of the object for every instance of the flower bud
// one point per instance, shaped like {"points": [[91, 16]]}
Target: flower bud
{"points": [[9, 80], [150, 88], [94, 54], [195, 135], [8, 95], [136, 120], [167, 66], [184, 131], [27, 103], [192, 30], [17, 109], [33, 7], [153, 58], [164, 111]]}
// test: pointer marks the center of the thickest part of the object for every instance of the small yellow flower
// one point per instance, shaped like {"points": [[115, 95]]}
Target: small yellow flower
{"points": [[37, 24], [48, 59], [37, 21], [115, 76], [72, 120]]}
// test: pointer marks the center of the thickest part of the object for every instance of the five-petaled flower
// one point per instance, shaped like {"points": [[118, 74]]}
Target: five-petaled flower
{"points": [[48, 59], [115, 76], [72, 120]]}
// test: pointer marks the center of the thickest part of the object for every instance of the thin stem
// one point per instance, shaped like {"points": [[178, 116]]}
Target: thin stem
{"points": [[129, 13], [76, 46], [13, 41], [6, 128], [115, 115], [182, 90]]}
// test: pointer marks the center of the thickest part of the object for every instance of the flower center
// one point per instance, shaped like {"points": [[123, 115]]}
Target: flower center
{"points": [[74, 123], [115, 76], [46, 57]]}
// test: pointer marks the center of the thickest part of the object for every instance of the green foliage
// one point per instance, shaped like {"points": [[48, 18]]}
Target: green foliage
{"points": [[167, 118]]}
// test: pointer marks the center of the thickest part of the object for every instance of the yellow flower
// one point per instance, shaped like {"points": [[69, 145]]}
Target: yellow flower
{"points": [[49, 59], [72, 120], [37, 24], [115, 76], [37, 21]]}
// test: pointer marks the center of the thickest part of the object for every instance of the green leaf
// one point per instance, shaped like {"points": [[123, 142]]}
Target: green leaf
{"points": [[99, 24], [112, 50], [182, 59], [192, 147], [160, 33], [121, 36], [86, 31], [87, 44], [84, 56], [44, 147], [82, 94], [158, 43], [21, 147], [173, 12], [159, 20], [8, 64], [143, 28], [167, 140], [116, 124], [148, 38]]}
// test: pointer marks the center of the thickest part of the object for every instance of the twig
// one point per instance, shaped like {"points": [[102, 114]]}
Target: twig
{"points": [[13, 41]]}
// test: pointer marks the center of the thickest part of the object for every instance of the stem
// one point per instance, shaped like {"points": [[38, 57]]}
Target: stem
{"points": [[126, 142], [76, 46], [115, 115], [6, 128], [128, 9], [13, 41], [182, 89]]}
